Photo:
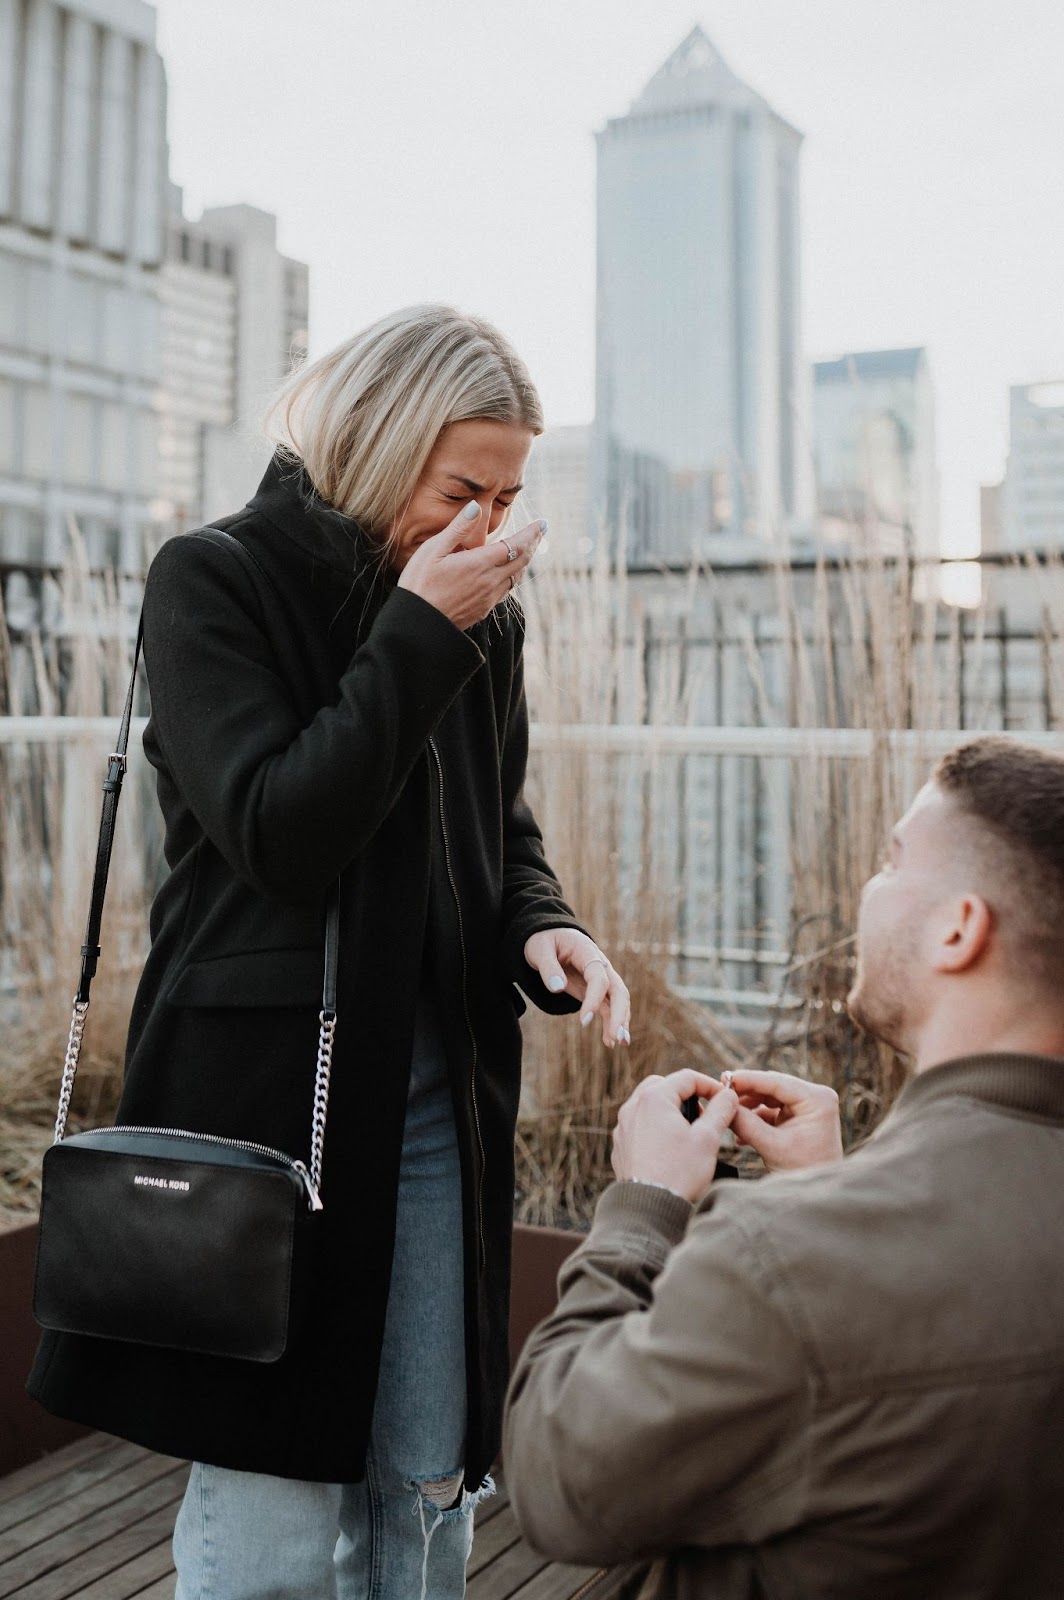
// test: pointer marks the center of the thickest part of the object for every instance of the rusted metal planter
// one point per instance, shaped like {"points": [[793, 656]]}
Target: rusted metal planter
{"points": [[27, 1431], [538, 1253]]}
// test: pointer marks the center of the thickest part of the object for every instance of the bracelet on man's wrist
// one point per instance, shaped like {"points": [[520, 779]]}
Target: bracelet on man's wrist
{"points": [[652, 1183]]}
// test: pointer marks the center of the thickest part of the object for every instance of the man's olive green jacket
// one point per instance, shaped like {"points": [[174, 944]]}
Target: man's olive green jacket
{"points": [[842, 1384]]}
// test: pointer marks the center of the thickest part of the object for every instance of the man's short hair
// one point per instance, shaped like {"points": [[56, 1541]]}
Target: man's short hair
{"points": [[1014, 793]]}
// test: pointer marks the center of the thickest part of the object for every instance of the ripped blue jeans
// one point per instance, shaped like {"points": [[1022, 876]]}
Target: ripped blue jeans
{"points": [[407, 1529]]}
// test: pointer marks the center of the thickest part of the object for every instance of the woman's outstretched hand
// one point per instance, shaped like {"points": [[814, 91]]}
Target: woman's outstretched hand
{"points": [[571, 963], [463, 575]]}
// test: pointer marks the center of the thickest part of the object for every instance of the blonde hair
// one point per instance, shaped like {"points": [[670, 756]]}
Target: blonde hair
{"points": [[363, 418]]}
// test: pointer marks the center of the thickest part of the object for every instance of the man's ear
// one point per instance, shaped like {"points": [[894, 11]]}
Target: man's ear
{"points": [[963, 935]]}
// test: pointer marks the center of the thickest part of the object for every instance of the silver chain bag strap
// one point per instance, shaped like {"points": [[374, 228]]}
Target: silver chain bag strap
{"points": [[167, 1237]]}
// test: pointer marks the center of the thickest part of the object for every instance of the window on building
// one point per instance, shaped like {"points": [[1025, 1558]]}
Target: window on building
{"points": [[117, 333], [146, 434], [80, 419], [7, 424], [22, 540], [13, 274], [36, 332], [36, 431], [146, 317], [114, 448], [81, 324]]}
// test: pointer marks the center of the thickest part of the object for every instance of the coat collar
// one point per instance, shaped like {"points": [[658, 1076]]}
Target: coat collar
{"points": [[287, 498], [1031, 1086]]}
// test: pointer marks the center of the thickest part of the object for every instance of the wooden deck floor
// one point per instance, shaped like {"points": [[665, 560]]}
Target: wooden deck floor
{"points": [[93, 1522]]}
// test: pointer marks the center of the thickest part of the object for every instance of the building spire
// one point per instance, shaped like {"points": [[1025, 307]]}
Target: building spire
{"points": [[696, 74], [697, 53]]}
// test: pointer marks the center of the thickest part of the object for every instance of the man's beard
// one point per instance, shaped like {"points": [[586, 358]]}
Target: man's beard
{"points": [[877, 1000]]}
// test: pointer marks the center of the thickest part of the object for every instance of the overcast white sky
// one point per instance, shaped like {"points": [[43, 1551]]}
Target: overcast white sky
{"points": [[443, 150]]}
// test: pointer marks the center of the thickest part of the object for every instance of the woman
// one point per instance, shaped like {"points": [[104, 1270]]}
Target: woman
{"points": [[349, 703]]}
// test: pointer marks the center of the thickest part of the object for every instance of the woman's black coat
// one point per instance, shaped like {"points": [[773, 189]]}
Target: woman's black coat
{"points": [[310, 718]]}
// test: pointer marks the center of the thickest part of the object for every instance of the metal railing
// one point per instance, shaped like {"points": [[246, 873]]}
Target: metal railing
{"points": [[766, 741], [761, 741], [729, 955]]}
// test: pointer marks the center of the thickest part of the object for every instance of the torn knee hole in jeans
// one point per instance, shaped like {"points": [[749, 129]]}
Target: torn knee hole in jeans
{"points": [[446, 1501], [442, 1494]]}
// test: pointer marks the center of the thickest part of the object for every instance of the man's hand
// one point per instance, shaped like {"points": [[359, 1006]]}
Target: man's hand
{"points": [[789, 1122], [655, 1143]]}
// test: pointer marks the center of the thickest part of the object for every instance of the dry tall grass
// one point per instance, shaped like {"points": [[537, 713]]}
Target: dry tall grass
{"points": [[880, 650], [859, 651], [49, 819], [607, 829], [865, 646]]}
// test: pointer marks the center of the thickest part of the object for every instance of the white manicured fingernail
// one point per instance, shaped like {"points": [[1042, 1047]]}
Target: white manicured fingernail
{"points": [[471, 510], [624, 1036], [588, 1016], [543, 526], [556, 983]]}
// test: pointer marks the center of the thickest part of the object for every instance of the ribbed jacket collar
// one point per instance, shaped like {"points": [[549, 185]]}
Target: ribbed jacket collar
{"points": [[1030, 1086], [288, 499]]}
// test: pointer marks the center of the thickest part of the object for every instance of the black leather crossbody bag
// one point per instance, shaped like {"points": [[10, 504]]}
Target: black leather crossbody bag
{"points": [[166, 1237]]}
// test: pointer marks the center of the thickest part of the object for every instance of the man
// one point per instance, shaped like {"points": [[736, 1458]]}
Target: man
{"points": [[844, 1382]]}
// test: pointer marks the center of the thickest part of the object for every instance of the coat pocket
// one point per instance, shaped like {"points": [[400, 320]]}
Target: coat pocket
{"points": [[252, 978]]}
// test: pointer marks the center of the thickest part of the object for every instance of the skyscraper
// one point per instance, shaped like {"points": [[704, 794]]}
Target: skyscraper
{"points": [[556, 488], [700, 436], [82, 194], [874, 439], [1033, 500], [234, 318]]}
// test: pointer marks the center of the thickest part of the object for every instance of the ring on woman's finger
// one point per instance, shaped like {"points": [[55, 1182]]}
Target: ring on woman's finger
{"points": [[511, 553], [596, 961], [510, 581]]}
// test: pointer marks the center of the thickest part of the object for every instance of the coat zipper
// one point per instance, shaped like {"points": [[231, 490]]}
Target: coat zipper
{"points": [[234, 1144], [465, 1004]]}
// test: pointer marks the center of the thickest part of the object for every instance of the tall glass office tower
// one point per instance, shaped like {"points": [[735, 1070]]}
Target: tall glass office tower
{"points": [[83, 163], [700, 437]]}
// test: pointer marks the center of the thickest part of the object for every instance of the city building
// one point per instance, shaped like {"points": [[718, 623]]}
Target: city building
{"points": [[991, 496], [234, 318], [1033, 496], [701, 389], [83, 174], [556, 487], [874, 450]]}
